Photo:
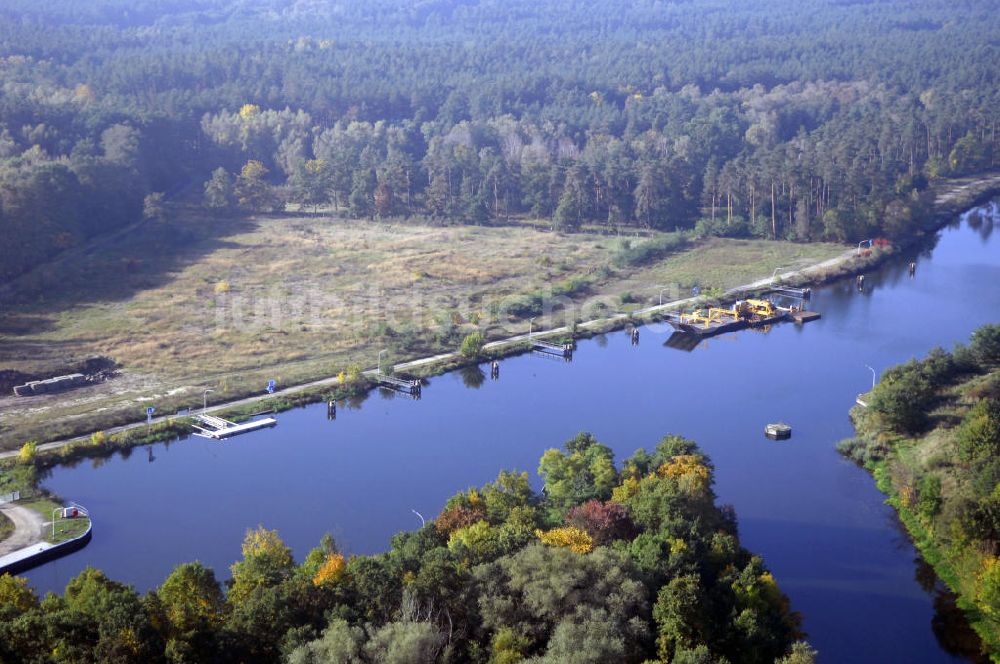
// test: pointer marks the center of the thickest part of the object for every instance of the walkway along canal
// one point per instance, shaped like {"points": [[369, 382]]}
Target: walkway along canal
{"points": [[819, 522]]}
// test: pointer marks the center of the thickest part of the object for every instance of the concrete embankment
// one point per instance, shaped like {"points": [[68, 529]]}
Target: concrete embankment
{"points": [[27, 548]]}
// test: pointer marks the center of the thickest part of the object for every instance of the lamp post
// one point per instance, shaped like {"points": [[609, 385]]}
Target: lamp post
{"points": [[531, 322], [421, 516], [204, 399], [863, 242], [662, 291], [774, 275], [873, 376], [380, 360]]}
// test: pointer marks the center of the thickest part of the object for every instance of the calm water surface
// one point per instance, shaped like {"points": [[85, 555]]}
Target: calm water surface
{"points": [[819, 522]]}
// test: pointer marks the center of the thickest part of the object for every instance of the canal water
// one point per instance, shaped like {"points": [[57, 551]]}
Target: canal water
{"points": [[818, 520]]}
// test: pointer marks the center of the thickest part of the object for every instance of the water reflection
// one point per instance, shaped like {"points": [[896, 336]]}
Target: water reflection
{"points": [[472, 376]]}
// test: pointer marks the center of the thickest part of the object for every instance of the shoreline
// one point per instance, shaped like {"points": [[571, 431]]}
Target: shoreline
{"points": [[958, 195]]}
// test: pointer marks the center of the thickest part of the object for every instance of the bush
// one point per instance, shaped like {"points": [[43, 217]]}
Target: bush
{"points": [[718, 227], [472, 345], [986, 344], [929, 496], [979, 434], [903, 397], [27, 453], [570, 287], [649, 251], [524, 306], [862, 450]]}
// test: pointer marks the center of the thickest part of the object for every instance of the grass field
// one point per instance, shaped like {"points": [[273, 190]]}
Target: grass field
{"points": [[65, 529], [226, 304]]}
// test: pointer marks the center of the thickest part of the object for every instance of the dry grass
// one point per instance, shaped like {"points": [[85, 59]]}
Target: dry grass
{"points": [[303, 297]]}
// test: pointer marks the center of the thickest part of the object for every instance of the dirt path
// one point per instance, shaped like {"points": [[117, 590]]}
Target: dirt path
{"points": [[28, 526], [962, 189]]}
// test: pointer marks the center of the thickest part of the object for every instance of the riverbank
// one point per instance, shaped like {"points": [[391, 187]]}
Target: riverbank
{"points": [[335, 388], [950, 195], [930, 438]]}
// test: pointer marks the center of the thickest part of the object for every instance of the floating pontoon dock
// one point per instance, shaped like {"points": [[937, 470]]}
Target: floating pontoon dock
{"points": [[805, 316], [217, 428], [411, 386], [801, 293], [553, 349]]}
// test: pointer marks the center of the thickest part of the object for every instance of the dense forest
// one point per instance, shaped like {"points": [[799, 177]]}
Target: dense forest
{"points": [[635, 564], [931, 436], [804, 119]]}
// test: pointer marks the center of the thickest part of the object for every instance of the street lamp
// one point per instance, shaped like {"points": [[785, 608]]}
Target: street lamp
{"points": [[380, 360], [774, 275], [873, 376], [662, 291], [531, 322], [861, 243], [204, 399], [422, 522]]}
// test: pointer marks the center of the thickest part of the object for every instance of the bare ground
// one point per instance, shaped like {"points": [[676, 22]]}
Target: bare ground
{"points": [[28, 528]]}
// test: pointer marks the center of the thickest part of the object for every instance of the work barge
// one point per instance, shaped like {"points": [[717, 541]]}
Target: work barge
{"points": [[749, 313]]}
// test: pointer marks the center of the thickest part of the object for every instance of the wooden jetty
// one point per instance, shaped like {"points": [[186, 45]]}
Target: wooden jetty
{"points": [[565, 350], [801, 293], [409, 386], [217, 428]]}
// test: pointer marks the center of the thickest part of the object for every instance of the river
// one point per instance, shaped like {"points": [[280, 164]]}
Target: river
{"points": [[817, 519]]}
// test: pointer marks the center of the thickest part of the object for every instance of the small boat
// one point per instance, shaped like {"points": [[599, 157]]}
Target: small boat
{"points": [[778, 431]]}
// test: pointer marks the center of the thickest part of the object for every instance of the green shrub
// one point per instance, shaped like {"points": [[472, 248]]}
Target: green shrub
{"points": [[986, 344], [736, 227], [979, 434], [570, 287], [862, 450], [524, 306], [472, 345], [929, 496], [903, 397], [651, 250]]}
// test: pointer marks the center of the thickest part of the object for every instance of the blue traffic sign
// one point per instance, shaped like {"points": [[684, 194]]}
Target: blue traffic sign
{"points": [[150, 410], [270, 386]]}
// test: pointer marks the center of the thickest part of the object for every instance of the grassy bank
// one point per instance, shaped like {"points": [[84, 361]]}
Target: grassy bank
{"points": [[228, 304], [931, 439], [65, 529]]}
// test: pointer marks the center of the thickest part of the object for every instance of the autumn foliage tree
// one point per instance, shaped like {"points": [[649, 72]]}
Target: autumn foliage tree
{"points": [[252, 190], [603, 521]]}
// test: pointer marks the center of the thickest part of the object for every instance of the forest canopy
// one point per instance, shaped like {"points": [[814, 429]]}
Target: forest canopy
{"points": [[799, 120]]}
